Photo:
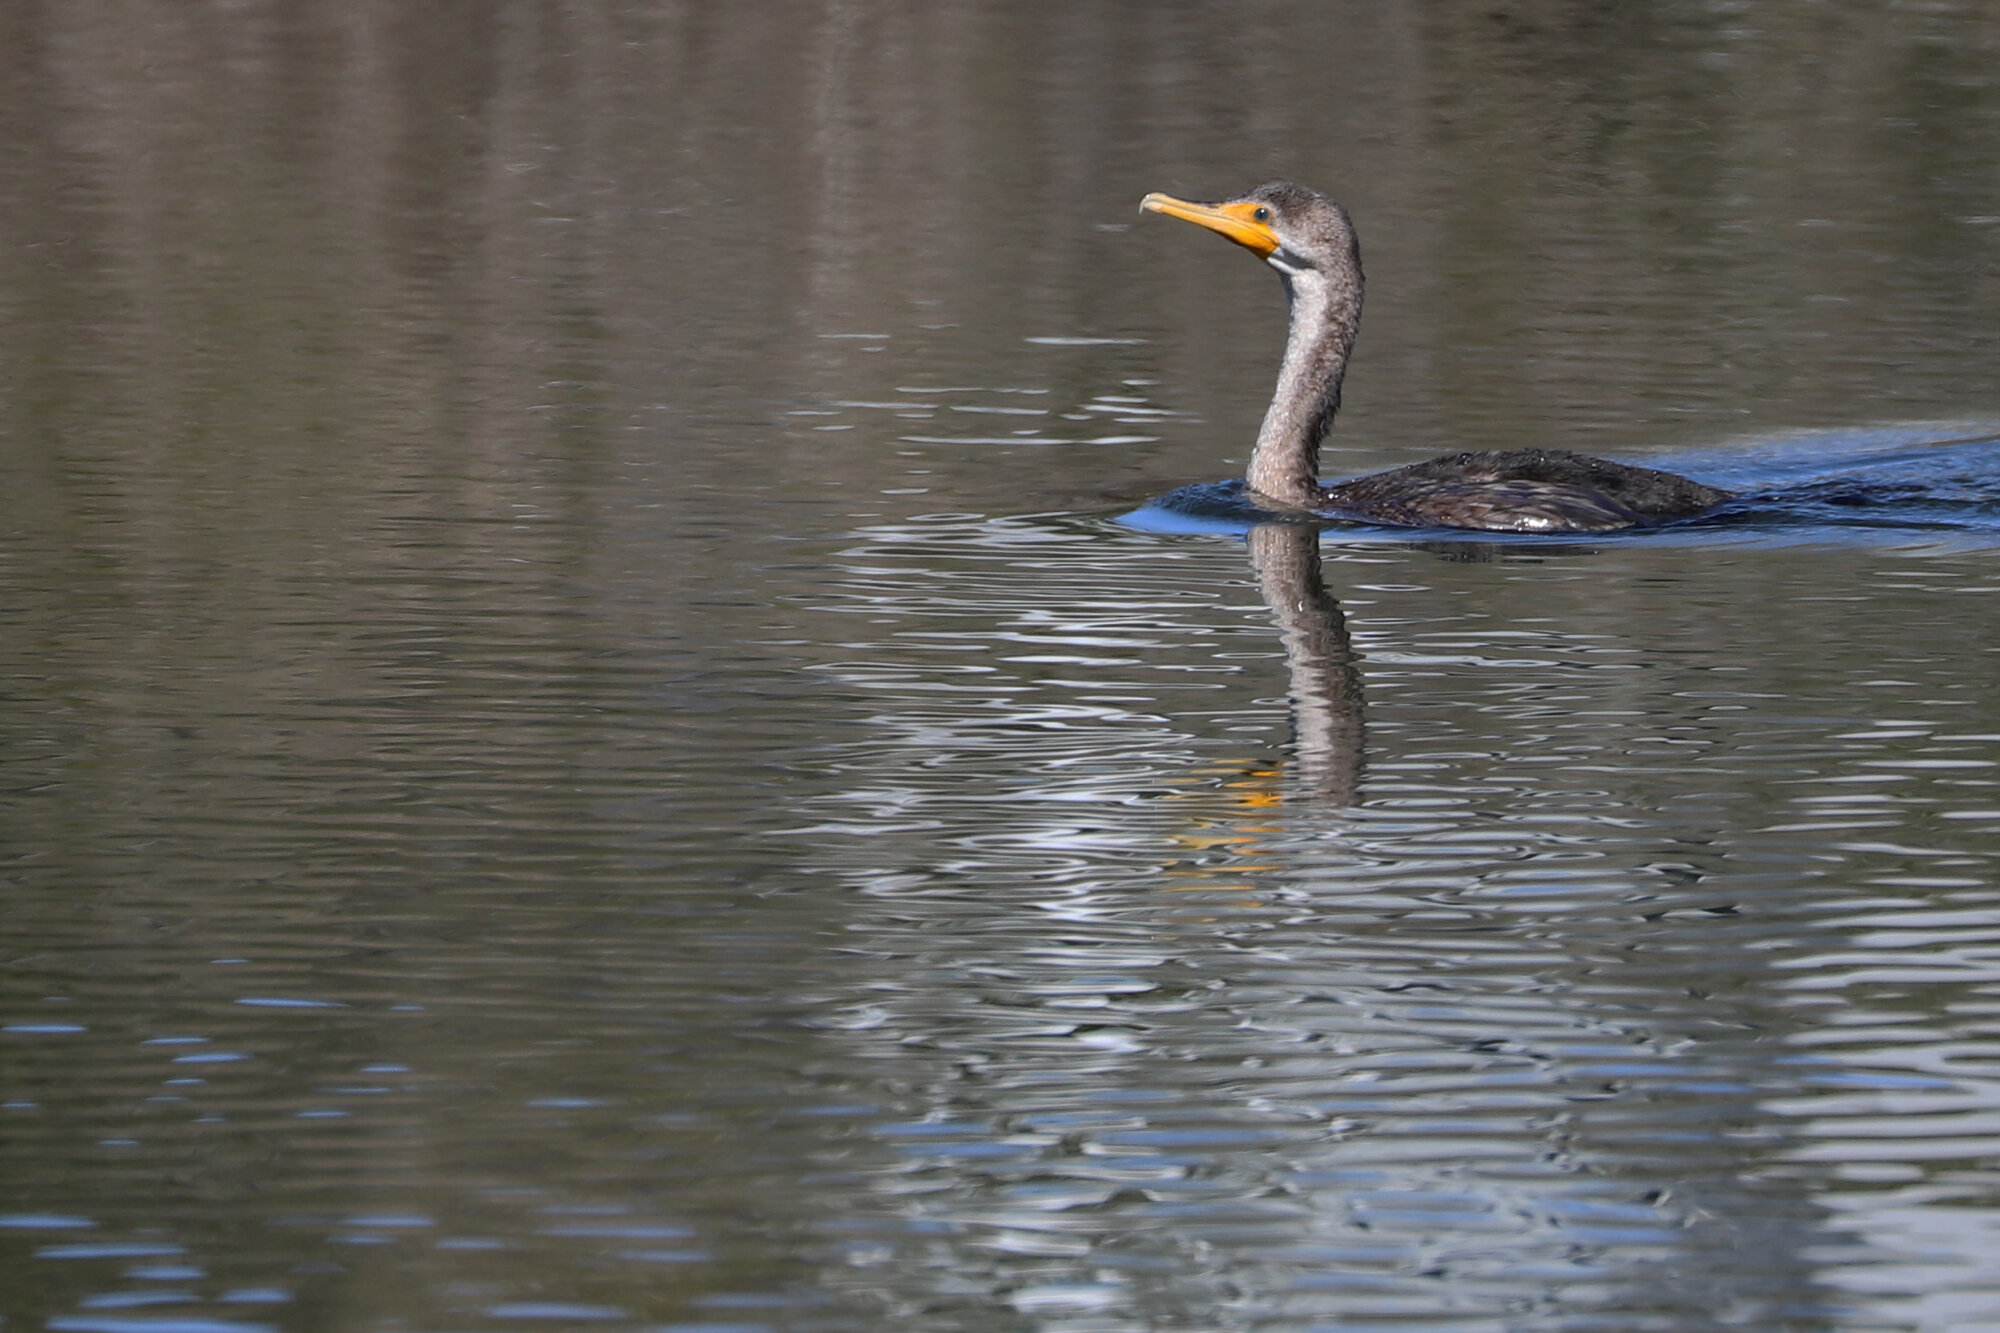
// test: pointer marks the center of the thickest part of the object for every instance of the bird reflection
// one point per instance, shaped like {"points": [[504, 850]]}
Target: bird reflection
{"points": [[1325, 684]]}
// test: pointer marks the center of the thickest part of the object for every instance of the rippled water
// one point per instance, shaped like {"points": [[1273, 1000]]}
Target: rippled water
{"points": [[599, 731]]}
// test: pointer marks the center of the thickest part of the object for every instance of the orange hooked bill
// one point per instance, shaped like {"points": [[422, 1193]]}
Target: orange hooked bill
{"points": [[1238, 220]]}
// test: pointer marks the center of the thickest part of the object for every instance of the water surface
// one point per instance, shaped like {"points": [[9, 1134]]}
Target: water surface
{"points": [[590, 739]]}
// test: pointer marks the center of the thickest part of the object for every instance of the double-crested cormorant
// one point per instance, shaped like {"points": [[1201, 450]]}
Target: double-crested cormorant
{"points": [[1310, 241]]}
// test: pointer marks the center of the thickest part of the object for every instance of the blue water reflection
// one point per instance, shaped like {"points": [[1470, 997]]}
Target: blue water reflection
{"points": [[1518, 1027]]}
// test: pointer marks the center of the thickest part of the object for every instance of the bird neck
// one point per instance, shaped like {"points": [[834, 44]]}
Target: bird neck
{"points": [[1326, 311]]}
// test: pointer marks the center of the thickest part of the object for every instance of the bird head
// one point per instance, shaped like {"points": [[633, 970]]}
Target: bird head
{"points": [[1291, 228]]}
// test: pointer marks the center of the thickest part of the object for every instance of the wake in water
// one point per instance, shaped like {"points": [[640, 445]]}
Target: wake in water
{"points": [[1919, 484]]}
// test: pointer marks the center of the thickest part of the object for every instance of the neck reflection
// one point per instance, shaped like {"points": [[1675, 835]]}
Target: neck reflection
{"points": [[1325, 684]]}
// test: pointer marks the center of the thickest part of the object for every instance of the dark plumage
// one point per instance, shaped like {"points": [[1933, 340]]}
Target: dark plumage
{"points": [[1309, 240]]}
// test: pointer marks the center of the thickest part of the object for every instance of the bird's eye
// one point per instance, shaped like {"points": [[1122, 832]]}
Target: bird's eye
{"points": [[1261, 214]]}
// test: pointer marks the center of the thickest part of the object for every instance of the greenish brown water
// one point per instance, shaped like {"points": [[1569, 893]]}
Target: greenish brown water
{"points": [[588, 738]]}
